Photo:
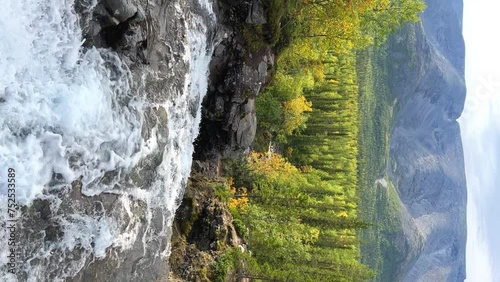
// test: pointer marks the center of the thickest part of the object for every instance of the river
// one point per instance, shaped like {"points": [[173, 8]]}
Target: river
{"points": [[75, 118]]}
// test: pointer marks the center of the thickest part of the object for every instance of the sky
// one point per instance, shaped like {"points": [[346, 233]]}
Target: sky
{"points": [[480, 124]]}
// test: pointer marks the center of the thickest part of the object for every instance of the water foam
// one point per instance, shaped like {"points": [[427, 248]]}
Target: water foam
{"points": [[64, 113], [68, 113]]}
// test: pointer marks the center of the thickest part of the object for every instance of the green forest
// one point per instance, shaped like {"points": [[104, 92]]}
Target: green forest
{"points": [[297, 200], [377, 203]]}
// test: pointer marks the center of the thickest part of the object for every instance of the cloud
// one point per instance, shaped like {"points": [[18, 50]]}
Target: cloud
{"points": [[480, 125], [479, 266], [481, 140]]}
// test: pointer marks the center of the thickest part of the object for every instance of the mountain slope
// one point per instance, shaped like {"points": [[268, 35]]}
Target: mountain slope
{"points": [[427, 77]]}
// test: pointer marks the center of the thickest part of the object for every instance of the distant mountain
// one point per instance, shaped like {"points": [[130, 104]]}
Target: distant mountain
{"points": [[427, 167]]}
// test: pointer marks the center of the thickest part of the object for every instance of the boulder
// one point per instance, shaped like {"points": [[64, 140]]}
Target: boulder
{"points": [[122, 10]]}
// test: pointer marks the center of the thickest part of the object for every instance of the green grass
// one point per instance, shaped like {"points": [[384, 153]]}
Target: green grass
{"points": [[225, 263], [379, 204]]}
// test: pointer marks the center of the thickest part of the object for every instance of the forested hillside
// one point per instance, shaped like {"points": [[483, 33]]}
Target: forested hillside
{"points": [[379, 200], [295, 198]]}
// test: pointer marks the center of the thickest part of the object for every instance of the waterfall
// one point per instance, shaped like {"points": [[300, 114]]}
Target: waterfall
{"points": [[69, 113]]}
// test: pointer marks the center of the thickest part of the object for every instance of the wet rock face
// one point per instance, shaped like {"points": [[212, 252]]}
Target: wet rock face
{"points": [[237, 75], [247, 125], [147, 40], [256, 13], [43, 225], [121, 10]]}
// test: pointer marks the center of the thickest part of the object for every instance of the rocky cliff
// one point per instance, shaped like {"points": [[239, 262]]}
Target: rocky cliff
{"points": [[203, 227], [238, 73], [427, 77]]}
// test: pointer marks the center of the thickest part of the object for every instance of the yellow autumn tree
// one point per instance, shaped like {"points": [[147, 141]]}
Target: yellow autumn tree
{"points": [[294, 114], [273, 166], [239, 196]]}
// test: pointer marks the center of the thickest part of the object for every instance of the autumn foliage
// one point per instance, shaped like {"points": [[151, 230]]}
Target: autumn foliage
{"points": [[300, 209]]}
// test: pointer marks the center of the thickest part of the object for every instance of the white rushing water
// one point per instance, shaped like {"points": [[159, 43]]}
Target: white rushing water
{"points": [[67, 113], [58, 102]]}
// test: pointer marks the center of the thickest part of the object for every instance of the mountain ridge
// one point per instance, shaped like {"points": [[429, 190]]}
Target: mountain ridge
{"points": [[427, 70]]}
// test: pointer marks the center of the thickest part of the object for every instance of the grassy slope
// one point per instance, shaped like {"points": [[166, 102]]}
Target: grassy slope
{"points": [[380, 203]]}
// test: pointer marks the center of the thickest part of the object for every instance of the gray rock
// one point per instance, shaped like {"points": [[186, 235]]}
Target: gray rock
{"points": [[263, 69], [219, 106], [256, 13], [219, 50], [238, 75], [250, 81], [247, 126], [121, 9], [104, 17]]}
